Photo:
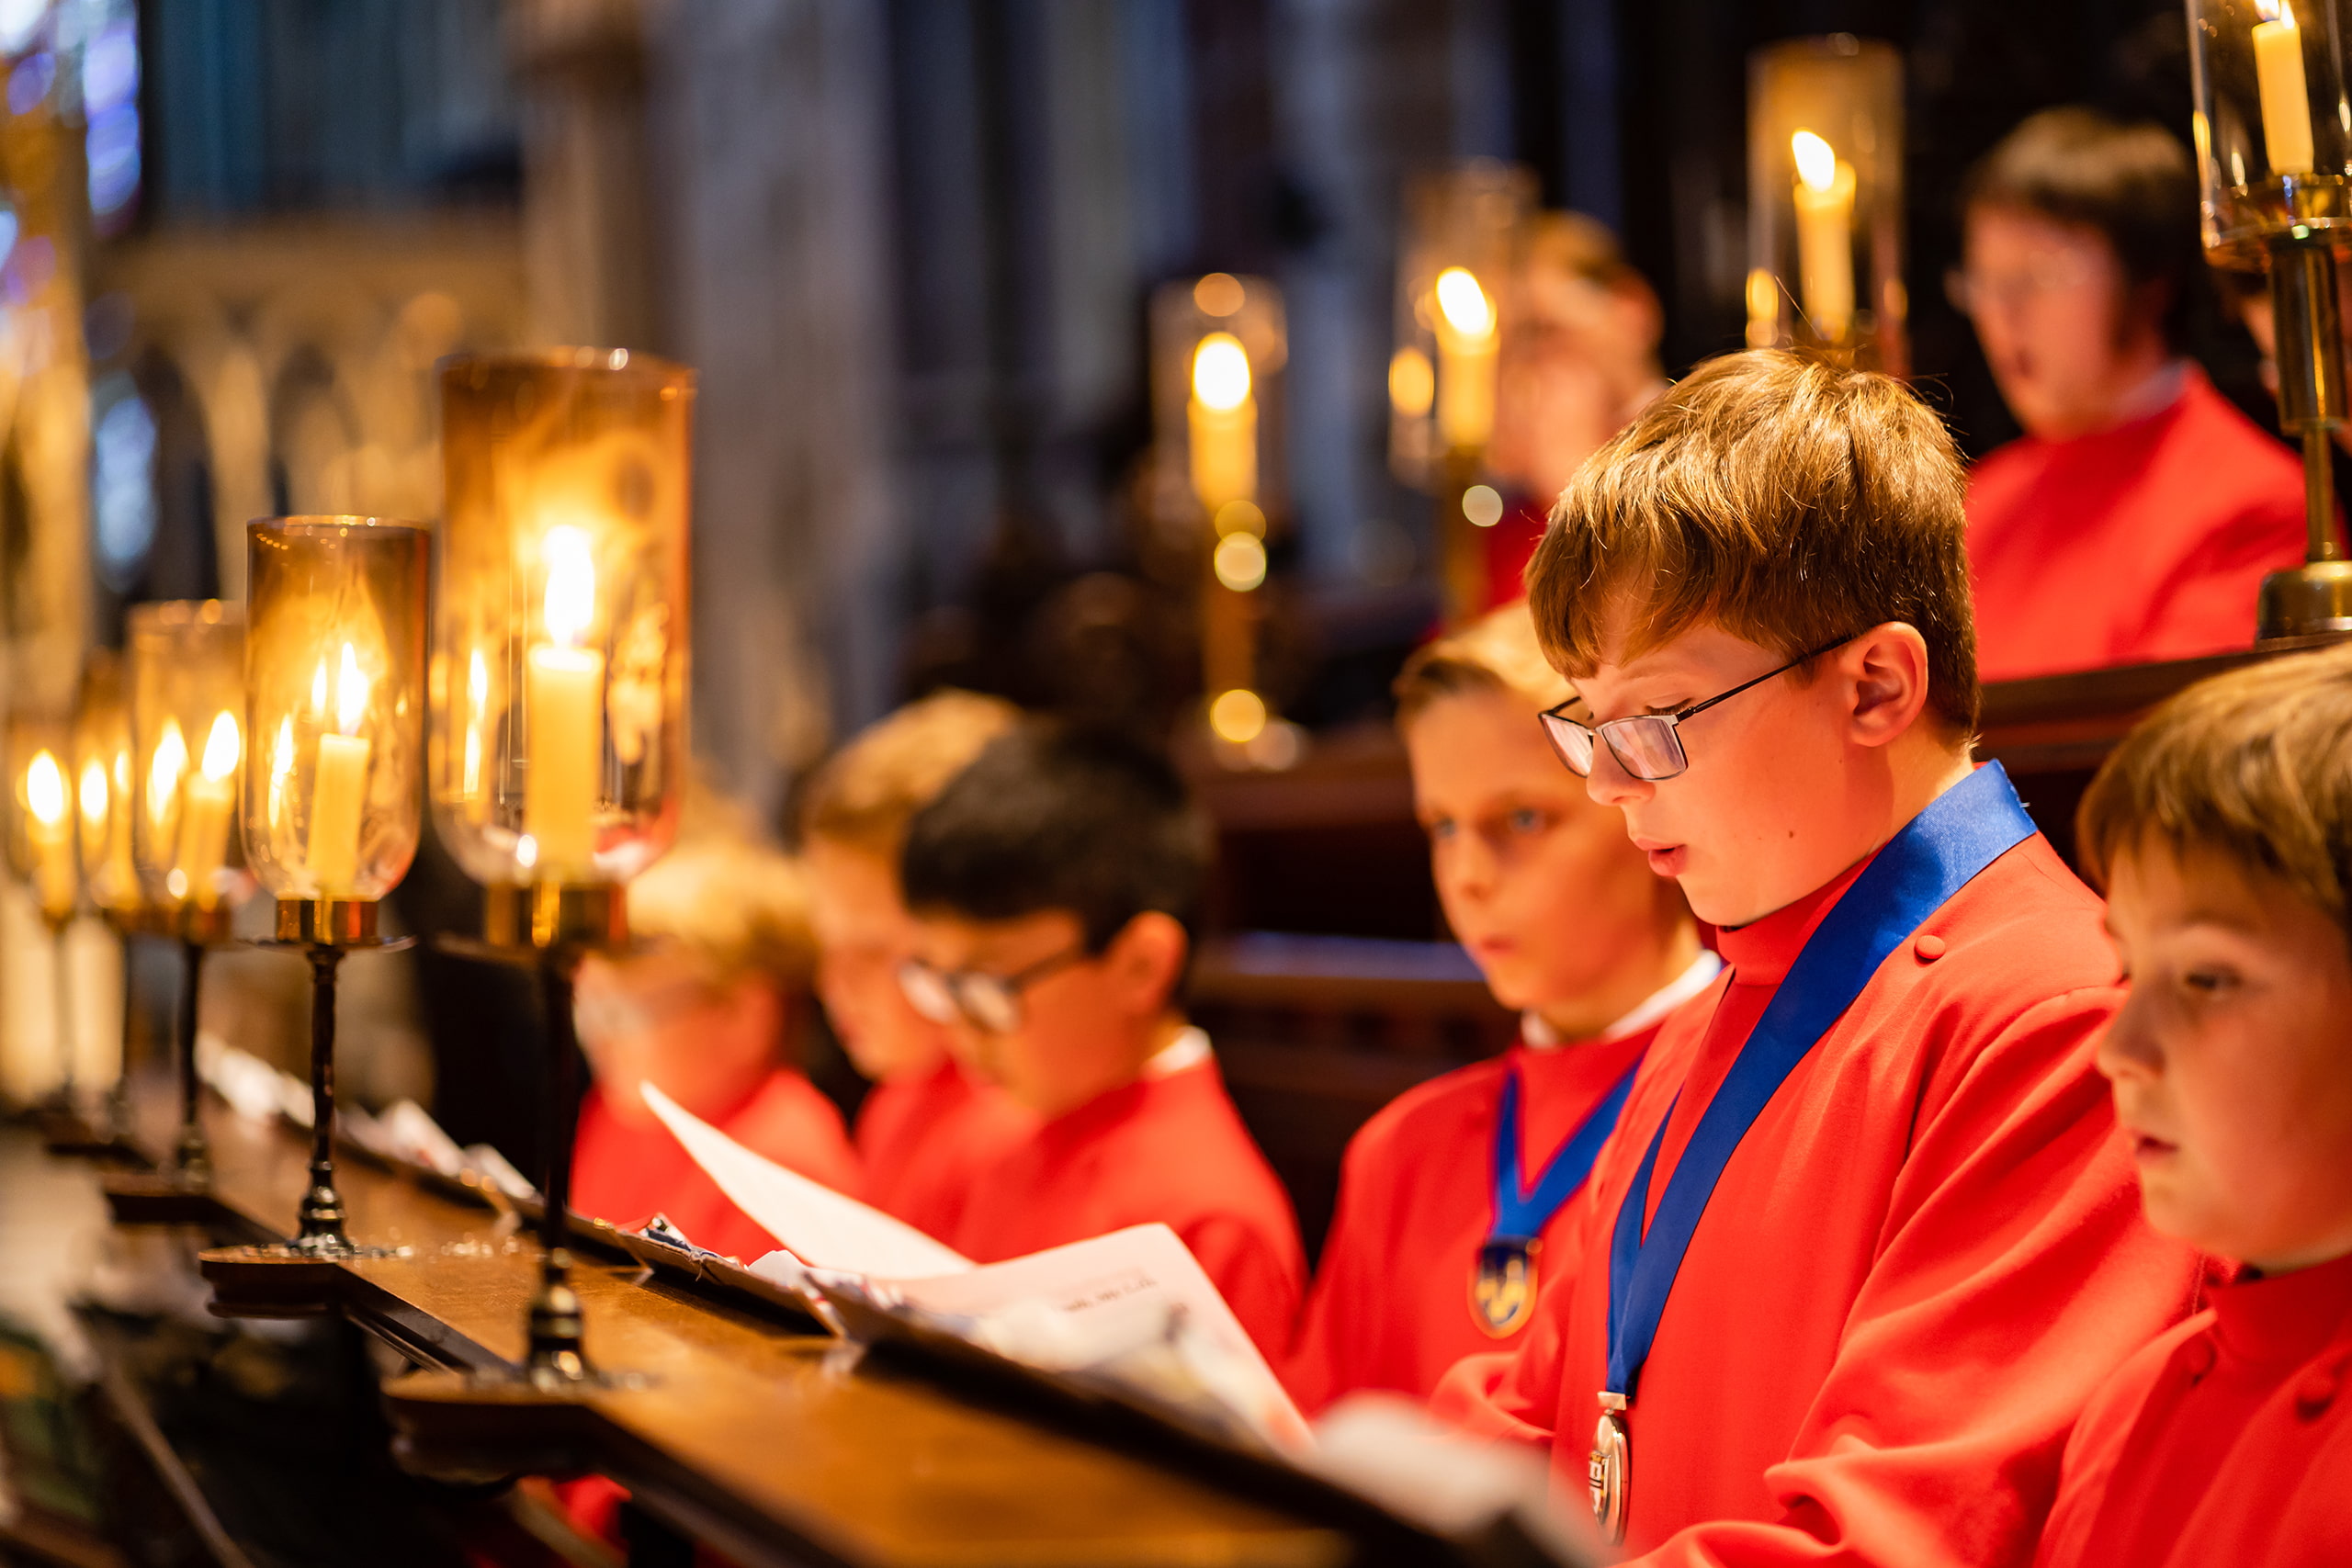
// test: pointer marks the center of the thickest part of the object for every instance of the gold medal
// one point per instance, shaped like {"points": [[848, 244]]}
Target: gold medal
{"points": [[1607, 1474], [1502, 1289]]}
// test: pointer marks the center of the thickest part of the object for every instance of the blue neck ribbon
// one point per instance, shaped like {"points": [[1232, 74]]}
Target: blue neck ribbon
{"points": [[1522, 1211], [1939, 853]]}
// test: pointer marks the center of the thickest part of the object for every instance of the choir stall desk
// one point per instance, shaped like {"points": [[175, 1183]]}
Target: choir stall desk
{"points": [[758, 1440]]}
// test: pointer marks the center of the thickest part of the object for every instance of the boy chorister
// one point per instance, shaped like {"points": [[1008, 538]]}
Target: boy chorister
{"points": [[1864, 1240], [927, 1125], [1454, 1200], [1053, 884], [2222, 828]]}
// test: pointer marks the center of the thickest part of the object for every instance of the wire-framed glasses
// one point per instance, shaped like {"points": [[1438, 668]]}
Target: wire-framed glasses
{"points": [[1647, 745], [990, 1003]]}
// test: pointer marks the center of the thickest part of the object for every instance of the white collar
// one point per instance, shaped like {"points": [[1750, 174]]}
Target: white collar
{"points": [[1540, 1036], [1189, 1049]]}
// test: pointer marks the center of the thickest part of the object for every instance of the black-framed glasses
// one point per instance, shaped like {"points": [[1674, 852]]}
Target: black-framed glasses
{"points": [[1647, 745], [990, 1003]]}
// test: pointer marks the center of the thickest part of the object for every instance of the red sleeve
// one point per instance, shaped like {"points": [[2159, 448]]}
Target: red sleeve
{"points": [[1337, 1331], [2013, 1265], [1251, 1276]]}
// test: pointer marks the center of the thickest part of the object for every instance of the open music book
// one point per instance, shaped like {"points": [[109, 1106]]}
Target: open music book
{"points": [[1131, 1311]]}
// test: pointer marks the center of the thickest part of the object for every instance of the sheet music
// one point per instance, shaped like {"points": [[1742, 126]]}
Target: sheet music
{"points": [[820, 1226]]}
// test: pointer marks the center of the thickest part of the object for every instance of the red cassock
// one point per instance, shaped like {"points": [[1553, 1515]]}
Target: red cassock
{"points": [[1917, 1265], [626, 1174], [2227, 1442], [1167, 1148], [2145, 542], [1391, 1308], [922, 1139]]}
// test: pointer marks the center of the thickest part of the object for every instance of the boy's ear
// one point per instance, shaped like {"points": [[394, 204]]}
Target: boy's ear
{"points": [[1887, 671], [1145, 959]]}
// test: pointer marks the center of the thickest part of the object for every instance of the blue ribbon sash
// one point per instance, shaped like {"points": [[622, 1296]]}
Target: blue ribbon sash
{"points": [[1936, 853], [1522, 1211]]}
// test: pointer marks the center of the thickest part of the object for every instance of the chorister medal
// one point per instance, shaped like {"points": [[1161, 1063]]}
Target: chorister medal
{"points": [[1938, 852], [1503, 1281]]}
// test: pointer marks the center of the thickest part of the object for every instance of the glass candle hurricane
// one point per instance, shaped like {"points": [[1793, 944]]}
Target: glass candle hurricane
{"points": [[2272, 129], [1464, 226], [335, 700], [1824, 199], [187, 747], [559, 667]]}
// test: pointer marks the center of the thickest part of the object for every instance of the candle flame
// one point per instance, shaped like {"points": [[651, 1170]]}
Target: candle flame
{"points": [[282, 768], [163, 770], [350, 693], [1221, 372], [221, 747], [1816, 160], [319, 686], [93, 794], [571, 602], [477, 678], [2277, 11], [45, 789], [1467, 309]]}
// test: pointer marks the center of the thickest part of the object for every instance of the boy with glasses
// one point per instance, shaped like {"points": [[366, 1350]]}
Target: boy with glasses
{"points": [[2222, 828], [1053, 884], [2135, 519], [928, 1124], [1863, 1240]]}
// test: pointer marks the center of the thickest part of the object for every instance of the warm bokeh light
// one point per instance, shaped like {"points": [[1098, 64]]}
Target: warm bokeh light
{"points": [[1241, 517], [163, 770], [1816, 160], [45, 789], [1483, 506], [570, 603], [350, 693], [1221, 372], [221, 747], [93, 792], [1237, 717], [1219, 294], [1240, 562], [1465, 306], [1412, 383]]}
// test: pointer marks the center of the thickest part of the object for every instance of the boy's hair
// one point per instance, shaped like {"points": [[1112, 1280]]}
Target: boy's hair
{"points": [[2132, 184], [1496, 652], [867, 793], [1052, 817], [739, 907], [1790, 500], [2254, 765]]}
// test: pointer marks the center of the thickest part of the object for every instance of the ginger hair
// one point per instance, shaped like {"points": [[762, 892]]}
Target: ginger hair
{"points": [[865, 794]]}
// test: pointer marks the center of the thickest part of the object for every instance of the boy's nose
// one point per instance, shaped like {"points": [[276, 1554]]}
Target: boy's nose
{"points": [[1609, 783]]}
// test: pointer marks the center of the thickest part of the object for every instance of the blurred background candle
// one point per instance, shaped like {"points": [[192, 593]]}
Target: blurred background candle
{"points": [[1223, 423], [49, 822], [567, 713], [1467, 342], [2285, 101], [211, 804], [1824, 199], [339, 792]]}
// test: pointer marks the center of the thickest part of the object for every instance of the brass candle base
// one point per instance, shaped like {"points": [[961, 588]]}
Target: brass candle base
{"points": [[2311, 601]]}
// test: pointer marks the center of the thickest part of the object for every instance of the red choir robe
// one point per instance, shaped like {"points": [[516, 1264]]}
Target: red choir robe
{"points": [[1171, 1147], [2145, 542], [922, 1139], [628, 1174], [2227, 1440], [1391, 1307], [1917, 1265]]}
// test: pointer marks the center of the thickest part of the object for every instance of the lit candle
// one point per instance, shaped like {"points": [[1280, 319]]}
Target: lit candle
{"points": [[1466, 343], [52, 829], [2286, 100], [566, 757], [211, 802], [1824, 197], [1223, 423], [339, 787]]}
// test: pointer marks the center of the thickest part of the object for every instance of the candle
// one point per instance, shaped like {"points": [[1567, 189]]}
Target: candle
{"points": [[1825, 198], [339, 787], [565, 697], [51, 829], [1223, 423], [211, 801], [1466, 343], [2286, 100]]}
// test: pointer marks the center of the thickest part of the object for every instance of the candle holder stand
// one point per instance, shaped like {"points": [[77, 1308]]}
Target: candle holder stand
{"points": [[323, 930], [178, 1191], [2314, 599]]}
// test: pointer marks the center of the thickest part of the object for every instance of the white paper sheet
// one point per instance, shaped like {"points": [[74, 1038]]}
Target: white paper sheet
{"points": [[817, 1224]]}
